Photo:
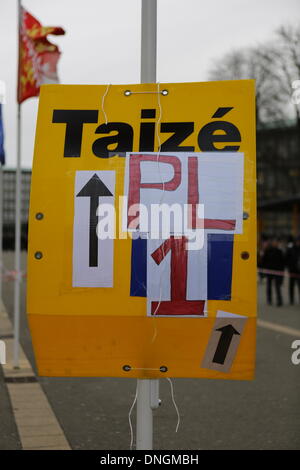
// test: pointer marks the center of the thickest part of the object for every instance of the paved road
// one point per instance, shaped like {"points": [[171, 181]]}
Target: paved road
{"points": [[263, 414]]}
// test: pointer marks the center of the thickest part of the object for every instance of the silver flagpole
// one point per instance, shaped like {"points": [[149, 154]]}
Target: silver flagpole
{"points": [[1, 229], [147, 389], [17, 283]]}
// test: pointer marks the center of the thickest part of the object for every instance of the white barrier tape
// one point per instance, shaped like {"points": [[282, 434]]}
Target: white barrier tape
{"points": [[12, 275], [274, 272]]}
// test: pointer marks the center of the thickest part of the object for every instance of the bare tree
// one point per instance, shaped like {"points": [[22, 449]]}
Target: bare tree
{"points": [[283, 62], [252, 64], [231, 67]]}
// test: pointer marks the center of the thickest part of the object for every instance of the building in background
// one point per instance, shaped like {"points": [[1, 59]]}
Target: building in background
{"points": [[9, 187], [278, 181]]}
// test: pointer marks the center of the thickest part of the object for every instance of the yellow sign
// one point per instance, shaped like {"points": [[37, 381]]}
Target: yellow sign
{"points": [[142, 231]]}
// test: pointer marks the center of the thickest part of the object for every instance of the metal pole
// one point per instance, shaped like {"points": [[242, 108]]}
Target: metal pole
{"points": [[17, 229], [1, 228], [149, 43], [144, 422], [145, 387], [17, 282]]}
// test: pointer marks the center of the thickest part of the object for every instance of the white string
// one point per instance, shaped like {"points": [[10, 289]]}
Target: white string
{"points": [[134, 402], [158, 137], [160, 298], [162, 196], [144, 92], [174, 403], [103, 99], [129, 417]]}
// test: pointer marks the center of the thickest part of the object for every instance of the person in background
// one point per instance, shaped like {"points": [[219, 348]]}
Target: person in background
{"points": [[260, 254], [273, 260], [292, 261]]}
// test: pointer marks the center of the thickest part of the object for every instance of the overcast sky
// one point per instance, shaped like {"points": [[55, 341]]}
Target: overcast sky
{"points": [[102, 44]]}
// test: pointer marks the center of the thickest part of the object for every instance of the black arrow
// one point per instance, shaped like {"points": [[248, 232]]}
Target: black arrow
{"points": [[94, 189], [224, 343]]}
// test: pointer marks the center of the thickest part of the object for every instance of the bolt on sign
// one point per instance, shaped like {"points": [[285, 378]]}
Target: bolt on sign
{"points": [[142, 233]]}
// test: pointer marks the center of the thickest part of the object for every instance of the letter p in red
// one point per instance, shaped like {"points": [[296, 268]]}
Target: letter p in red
{"points": [[135, 177]]}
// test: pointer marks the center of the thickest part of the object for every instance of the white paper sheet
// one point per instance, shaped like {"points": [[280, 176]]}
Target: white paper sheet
{"points": [[220, 185], [83, 274]]}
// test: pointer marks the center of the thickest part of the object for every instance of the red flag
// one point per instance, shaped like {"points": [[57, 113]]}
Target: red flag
{"points": [[38, 57]]}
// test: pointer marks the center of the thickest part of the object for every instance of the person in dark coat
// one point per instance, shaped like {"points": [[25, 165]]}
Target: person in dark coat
{"points": [[292, 261], [273, 260]]}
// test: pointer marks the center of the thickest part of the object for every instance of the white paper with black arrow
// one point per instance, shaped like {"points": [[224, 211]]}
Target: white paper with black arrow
{"points": [[92, 257], [224, 341]]}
